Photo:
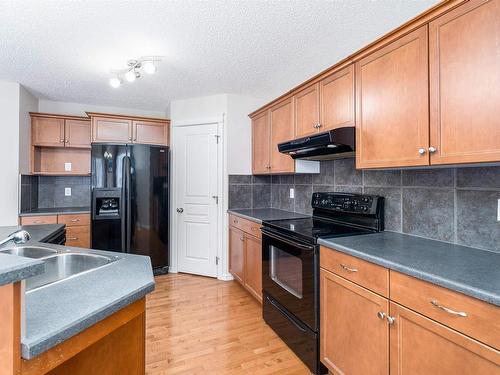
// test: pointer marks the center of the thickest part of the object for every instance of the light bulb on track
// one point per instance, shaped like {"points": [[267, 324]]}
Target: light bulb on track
{"points": [[130, 76], [115, 82]]}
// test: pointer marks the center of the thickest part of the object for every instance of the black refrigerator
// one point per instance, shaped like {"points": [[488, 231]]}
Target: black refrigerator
{"points": [[130, 201]]}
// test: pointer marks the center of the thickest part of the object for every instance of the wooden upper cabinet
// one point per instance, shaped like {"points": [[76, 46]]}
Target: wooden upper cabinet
{"points": [[150, 132], [336, 100], [306, 106], [47, 131], [392, 109], [464, 61], [354, 339], [282, 130], [237, 253], [421, 346], [261, 146], [253, 266], [107, 129], [77, 133]]}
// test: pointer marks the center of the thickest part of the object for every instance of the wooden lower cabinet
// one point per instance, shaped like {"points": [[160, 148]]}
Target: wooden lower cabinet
{"points": [[253, 266], [362, 332], [237, 254], [245, 256], [421, 346], [354, 339]]}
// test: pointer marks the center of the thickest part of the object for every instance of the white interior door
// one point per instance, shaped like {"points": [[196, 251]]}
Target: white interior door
{"points": [[196, 206]]}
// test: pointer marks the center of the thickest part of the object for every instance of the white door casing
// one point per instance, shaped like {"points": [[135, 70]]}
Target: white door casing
{"points": [[197, 187]]}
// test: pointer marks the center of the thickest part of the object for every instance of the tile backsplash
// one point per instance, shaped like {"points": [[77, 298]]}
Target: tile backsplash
{"points": [[456, 205], [48, 192]]}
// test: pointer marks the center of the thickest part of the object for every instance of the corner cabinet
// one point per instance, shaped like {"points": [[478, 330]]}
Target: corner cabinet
{"points": [[245, 254], [392, 106], [125, 129]]}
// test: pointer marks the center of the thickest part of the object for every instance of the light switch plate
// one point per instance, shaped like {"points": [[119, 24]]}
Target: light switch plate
{"points": [[67, 192], [67, 167], [292, 193]]}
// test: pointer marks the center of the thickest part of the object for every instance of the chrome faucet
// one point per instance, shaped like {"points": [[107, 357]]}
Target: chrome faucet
{"points": [[21, 236]]}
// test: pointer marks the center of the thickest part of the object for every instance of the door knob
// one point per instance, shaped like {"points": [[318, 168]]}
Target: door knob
{"points": [[432, 149], [421, 151], [180, 210]]}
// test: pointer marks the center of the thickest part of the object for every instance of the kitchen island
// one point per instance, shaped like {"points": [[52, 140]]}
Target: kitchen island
{"points": [[92, 321]]}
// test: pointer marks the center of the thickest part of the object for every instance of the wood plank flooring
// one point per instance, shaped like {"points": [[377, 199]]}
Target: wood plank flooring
{"points": [[198, 325]]}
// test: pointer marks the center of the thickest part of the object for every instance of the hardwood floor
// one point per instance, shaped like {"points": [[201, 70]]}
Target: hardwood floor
{"points": [[198, 325]]}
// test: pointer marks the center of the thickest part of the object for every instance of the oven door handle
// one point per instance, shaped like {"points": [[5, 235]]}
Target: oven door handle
{"points": [[285, 314], [291, 243]]}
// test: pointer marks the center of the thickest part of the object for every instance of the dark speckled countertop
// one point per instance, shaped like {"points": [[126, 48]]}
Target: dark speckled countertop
{"points": [[259, 215], [467, 270]]}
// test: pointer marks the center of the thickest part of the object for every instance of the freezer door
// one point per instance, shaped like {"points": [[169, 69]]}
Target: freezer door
{"points": [[148, 206]]}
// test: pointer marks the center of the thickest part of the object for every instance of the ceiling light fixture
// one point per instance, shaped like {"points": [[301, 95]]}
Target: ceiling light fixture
{"points": [[146, 64]]}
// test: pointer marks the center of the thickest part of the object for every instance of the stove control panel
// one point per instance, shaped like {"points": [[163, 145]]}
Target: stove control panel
{"points": [[345, 202]]}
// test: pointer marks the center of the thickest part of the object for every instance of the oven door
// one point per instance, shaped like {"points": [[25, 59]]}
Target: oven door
{"points": [[289, 275]]}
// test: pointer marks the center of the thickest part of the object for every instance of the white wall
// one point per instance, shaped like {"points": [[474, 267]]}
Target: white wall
{"points": [[194, 109], [27, 103], [239, 133], [9, 152], [79, 109]]}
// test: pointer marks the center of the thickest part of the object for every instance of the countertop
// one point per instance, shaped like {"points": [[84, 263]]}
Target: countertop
{"points": [[467, 270], [39, 233], [58, 311], [259, 215], [56, 211]]}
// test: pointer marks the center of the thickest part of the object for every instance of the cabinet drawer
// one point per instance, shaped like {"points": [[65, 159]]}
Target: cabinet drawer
{"points": [[369, 275], [78, 236], [74, 219], [36, 220], [482, 320], [250, 227]]}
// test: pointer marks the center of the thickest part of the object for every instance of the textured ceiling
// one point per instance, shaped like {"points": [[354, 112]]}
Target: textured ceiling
{"points": [[64, 50]]}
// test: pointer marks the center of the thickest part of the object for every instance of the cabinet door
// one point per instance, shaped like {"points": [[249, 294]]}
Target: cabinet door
{"points": [[47, 131], [392, 109], [421, 346], [464, 57], [149, 132], [105, 129], [353, 339], [282, 130], [337, 99], [237, 254], [77, 133], [78, 236], [306, 105], [253, 266], [261, 133]]}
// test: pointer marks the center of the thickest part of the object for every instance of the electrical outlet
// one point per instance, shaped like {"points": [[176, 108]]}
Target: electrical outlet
{"points": [[292, 193], [67, 167], [67, 192], [498, 210]]}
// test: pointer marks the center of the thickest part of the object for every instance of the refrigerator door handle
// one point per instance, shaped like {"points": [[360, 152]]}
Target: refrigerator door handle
{"points": [[123, 207], [128, 197]]}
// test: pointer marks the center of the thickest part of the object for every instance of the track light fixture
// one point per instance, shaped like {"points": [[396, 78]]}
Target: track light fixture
{"points": [[134, 70]]}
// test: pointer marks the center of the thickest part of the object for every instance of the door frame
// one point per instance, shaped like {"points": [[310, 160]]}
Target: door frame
{"points": [[222, 192]]}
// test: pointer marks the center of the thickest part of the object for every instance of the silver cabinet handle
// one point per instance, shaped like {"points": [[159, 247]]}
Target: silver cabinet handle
{"points": [[381, 315], [348, 269], [448, 310], [242, 238], [421, 151], [432, 149], [390, 319], [180, 210], [75, 220], [73, 238]]}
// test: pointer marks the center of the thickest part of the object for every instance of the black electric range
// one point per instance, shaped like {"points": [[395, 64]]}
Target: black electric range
{"points": [[290, 265]]}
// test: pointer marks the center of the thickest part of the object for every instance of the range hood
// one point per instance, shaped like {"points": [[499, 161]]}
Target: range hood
{"points": [[334, 144]]}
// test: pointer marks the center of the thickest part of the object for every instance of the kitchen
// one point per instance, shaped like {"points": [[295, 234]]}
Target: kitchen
{"points": [[339, 219]]}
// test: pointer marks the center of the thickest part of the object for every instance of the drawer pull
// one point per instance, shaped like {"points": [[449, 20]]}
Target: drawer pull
{"points": [[235, 221], [39, 222], [253, 228], [75, 220], [381, 315], [449, 311], [73, 238], [348, 269]]}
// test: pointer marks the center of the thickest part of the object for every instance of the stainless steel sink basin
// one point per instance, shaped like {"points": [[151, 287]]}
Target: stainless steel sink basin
{"points": [[63, 265], [30, 251]]}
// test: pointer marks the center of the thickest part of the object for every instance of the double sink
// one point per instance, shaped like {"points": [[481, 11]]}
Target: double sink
{"points": [[59, 264]]}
